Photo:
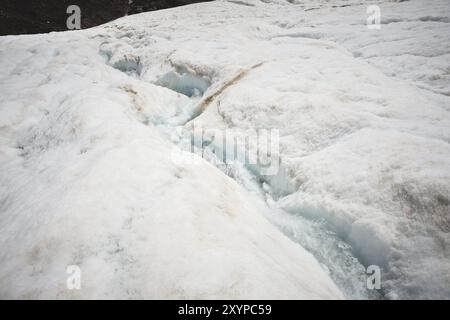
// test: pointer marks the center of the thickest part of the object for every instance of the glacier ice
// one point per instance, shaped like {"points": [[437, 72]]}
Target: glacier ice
{"points": [[89, 121]]}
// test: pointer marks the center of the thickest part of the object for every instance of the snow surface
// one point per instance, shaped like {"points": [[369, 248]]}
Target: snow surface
{"points": [[89, 121]]}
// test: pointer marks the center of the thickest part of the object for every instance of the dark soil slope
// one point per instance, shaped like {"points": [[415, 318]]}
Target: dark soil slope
{"points": [[38, 16]]}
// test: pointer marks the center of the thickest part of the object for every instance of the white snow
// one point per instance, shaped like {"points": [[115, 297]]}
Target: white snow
{"points": [[89, 121]]}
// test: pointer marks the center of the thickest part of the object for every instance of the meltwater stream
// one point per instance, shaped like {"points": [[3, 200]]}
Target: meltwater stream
{"points": [[334, 255], [314, 235]]}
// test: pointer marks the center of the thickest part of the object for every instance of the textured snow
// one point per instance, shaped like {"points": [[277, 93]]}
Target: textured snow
{"points": [[88, 123], [87, 180]]}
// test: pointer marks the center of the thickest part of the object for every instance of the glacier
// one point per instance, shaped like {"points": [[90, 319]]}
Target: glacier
{"points": [[90, 119]]}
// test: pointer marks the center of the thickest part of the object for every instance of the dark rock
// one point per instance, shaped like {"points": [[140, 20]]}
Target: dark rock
{"points": [[31, 16]]}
